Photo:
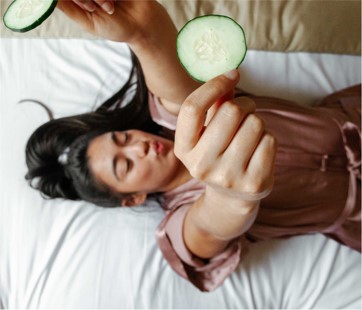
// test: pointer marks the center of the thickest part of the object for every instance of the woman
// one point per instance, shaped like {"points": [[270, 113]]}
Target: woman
{"points": [[215, 175]]}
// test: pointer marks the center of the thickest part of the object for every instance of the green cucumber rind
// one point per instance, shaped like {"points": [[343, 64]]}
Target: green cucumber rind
{"points": [[35, 23], [203, 16]]}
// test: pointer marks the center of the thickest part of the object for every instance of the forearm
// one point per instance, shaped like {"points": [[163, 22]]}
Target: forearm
{"points": [[149, 31], [214, 220], [156, 50]]}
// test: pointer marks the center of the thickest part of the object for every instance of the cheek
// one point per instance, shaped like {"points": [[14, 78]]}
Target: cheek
{"points": [[142, 172], [149, 173]]}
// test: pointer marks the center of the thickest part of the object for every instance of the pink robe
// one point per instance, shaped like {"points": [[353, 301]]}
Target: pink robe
{"points": [[317, 184]]}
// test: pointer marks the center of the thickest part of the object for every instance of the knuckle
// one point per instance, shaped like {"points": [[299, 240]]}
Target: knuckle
{"points": [[232, 109], [255, 122], [226, 183], [223, 180], [177, 151], [270, 141], [256, 187], [189, 107], [197, 170]]}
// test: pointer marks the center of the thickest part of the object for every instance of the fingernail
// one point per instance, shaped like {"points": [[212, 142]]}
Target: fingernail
{"points": [[108, 7], [232, 74], [90, 6]]}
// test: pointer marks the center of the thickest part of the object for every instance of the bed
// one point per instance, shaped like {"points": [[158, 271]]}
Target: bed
{"points": [[61, 254]]}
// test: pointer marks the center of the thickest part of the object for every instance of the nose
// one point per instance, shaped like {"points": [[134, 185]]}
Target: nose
{"points": [[139, 149]]}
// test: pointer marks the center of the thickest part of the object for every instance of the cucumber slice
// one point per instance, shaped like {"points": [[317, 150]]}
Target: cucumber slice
{"points": [[211, 45], [25, 15]]}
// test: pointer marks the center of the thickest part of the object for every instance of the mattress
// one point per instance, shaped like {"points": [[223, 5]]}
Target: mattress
{"points": [[61, 254]]}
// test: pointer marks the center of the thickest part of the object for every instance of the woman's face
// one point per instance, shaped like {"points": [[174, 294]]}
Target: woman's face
{"points": [[134, 161]]}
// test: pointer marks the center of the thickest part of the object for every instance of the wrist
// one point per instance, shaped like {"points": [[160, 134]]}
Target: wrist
{"points": [[231, 200], [220, 217], [156, 30], [245, 196]]}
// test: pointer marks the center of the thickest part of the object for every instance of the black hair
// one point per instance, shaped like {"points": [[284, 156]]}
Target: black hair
{"points": [[71, 178]]}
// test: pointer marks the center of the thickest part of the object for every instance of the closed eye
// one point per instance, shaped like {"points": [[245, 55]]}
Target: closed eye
{"points": [[128, 162], [115, 161]]}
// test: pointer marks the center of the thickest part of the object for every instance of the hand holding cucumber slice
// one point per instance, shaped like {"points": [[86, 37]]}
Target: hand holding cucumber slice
{"points": [[25, 15], [211, 45]]}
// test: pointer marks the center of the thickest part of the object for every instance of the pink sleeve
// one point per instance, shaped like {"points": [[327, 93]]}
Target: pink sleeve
{"points": [[206, 275], [159, 114]]}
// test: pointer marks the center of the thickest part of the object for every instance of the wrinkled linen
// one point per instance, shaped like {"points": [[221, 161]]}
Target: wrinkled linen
{"points": [[317, 185], [292, 28]]}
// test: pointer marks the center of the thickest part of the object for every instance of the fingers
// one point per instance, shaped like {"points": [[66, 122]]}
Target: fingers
{"points": [[86, 5], [90, 6], [225, 124], [211, 112], [233, 151], [80, 10], [252, 153], [192, 114], [245, 142], [261, 164]]}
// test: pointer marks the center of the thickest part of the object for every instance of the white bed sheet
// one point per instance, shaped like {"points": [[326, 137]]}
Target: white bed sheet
{"points": [[61, 254]]}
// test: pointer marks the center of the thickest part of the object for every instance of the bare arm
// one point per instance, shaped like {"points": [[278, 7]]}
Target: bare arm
{"points": [[164, 74], [215, 155], [150, 33]]}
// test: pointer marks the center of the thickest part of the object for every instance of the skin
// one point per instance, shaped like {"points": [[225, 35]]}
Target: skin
{"points": [[136, 162], [219, 139], [91, 6], [149, 31]]}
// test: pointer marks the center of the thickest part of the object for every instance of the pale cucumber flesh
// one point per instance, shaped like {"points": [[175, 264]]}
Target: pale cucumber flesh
{"points": [[211, 45], [25, 15]]}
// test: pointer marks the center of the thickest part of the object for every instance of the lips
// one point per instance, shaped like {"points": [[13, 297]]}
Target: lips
{"points": [[158, 147]]}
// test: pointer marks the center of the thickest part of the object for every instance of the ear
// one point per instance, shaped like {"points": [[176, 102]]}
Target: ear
{"points": [[133, 200]]}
